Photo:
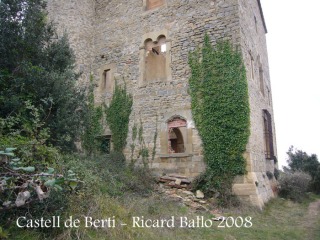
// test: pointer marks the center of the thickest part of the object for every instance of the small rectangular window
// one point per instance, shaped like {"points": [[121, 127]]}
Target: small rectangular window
{"points": [[106, 83], [105, 144]]}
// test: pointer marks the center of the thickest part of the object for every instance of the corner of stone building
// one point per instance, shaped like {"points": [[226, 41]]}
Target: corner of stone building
{"points": [[254, 187]]}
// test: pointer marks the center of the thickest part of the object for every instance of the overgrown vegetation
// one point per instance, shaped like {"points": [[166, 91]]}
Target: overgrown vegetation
{"points": [[117, 116], [93, 123], [220, 109], [41, 111], [37, 66], [301, 176], [299, 160], [294, 185]]}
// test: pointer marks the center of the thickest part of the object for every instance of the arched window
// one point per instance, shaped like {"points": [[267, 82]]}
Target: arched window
{"points": [[155, 59], [176, 141], [175, 136]]}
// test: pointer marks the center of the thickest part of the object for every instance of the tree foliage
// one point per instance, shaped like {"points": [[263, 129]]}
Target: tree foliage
{"points": [[220, 109], [38, 67], [41, 107], [299, 160]]}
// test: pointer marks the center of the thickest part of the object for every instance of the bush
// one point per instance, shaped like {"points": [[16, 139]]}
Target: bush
{"points": [[109, 174], [294, 185]]}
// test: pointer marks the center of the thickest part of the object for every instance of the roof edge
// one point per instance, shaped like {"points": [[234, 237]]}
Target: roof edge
{"points": [[262, 17]]}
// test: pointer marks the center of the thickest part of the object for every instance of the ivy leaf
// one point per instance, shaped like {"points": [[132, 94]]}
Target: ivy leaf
{"points": [[15, 159], [28, 169], [58, 187], [7, 150], [73, 185], [8, 154], [50, 183], [59, 180], [50, 170]]}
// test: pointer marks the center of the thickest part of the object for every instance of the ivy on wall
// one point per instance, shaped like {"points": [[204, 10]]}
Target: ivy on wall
{"points": [[92, 122], [117, 117], [220, 108]]}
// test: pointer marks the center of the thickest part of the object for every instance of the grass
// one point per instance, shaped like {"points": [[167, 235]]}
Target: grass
{"points": [[116, 191]]}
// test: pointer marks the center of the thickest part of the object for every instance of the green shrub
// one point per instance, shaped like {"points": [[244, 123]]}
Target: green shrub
{"points": [[294, 185]]}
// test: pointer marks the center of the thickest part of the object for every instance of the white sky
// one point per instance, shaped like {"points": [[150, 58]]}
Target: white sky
{"points": [[293, 41]]}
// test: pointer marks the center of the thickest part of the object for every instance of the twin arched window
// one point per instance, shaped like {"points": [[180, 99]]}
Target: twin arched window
{"points": [[155, 59]]}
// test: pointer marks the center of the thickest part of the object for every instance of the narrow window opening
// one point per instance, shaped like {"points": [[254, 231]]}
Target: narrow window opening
{"points": [[106, 80], [255, 23], [163, 47], [252, 65], [268, 136], [261, 80], [105, 144]]}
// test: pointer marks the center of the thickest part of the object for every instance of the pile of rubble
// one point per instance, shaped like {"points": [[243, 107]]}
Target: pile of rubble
{"points": [[177, 188]]}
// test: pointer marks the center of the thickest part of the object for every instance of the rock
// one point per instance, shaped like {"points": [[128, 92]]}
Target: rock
{"points": [[178, 181], [22, 198], [185, 193], [176, 197], [199, 194], [6, 203]]}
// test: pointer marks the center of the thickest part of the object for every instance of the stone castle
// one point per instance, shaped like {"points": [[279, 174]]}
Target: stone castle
{"points": [[146, 43]]}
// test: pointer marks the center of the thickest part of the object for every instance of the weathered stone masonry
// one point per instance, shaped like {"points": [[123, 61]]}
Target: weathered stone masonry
{"points": [[123, 40]]}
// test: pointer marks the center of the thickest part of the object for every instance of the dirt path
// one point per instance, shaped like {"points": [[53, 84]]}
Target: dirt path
{"points": [[312, 218]]}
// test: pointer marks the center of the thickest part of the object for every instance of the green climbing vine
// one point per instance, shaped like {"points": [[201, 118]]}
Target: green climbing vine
{"points": [[143, 151], [220, 108], [117, 117], [93, 123]]}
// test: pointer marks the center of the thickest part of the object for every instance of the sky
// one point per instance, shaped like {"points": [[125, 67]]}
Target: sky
{"points": [[293, 42]]}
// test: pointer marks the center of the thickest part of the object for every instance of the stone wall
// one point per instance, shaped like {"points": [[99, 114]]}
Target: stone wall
{"points": [[121, 29], [76, 19], [110, 35], [254, 49]]}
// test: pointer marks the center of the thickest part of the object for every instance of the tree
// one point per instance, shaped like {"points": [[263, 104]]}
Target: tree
{"points": [[38, 66], [299, 160]]}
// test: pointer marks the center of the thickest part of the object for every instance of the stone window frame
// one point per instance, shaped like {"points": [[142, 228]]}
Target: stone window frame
{"points": [[178, 128], [145, 5], [142, 65], [186, 135], [111, 68], [107, 137], [268, 135]]}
